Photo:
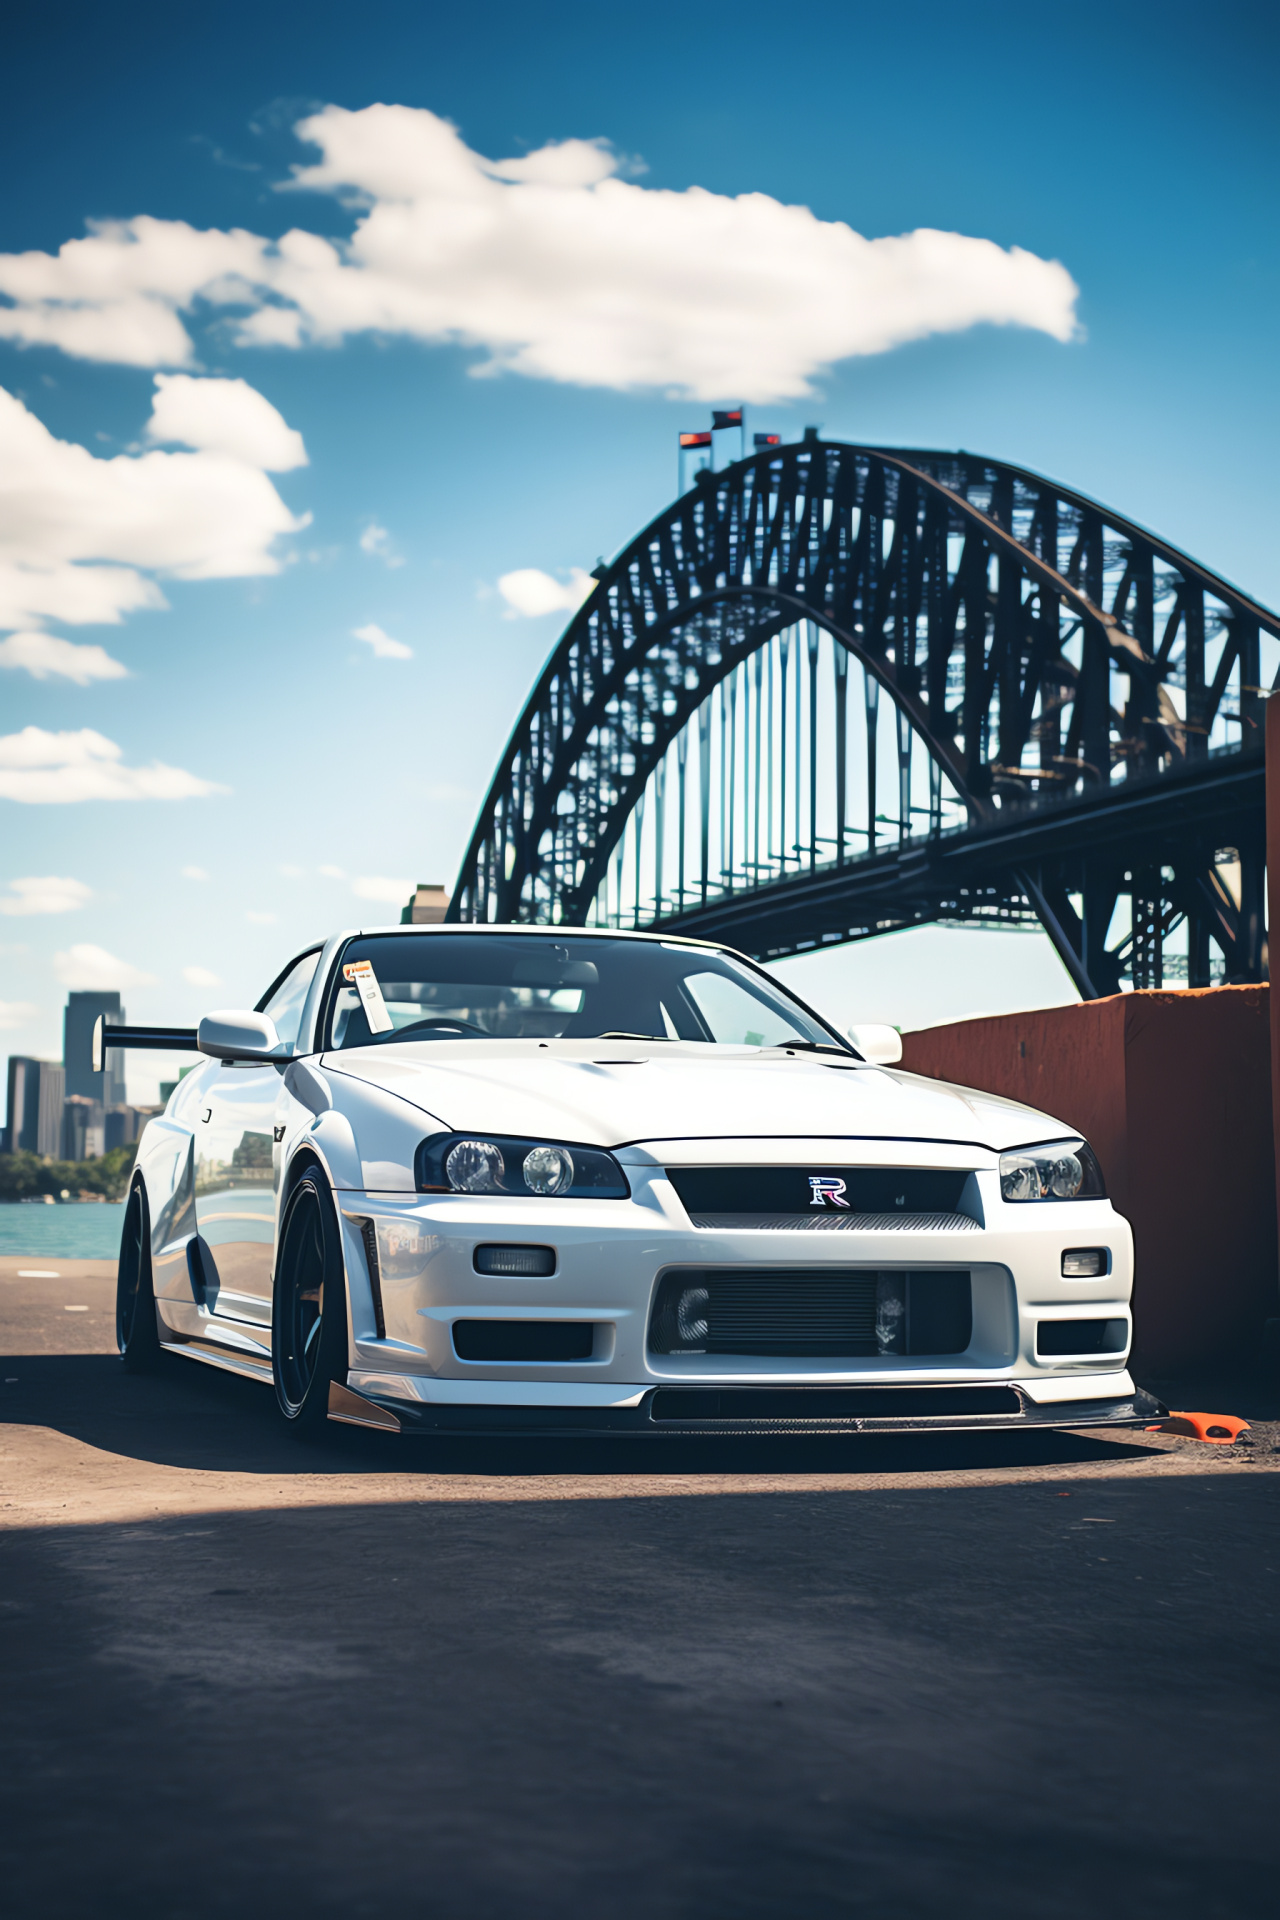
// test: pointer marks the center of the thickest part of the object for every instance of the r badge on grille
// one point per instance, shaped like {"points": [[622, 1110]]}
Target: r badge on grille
{"points": [[827, 1187]]}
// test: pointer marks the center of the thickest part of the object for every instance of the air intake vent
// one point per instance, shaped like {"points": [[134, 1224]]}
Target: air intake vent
{"points": [[831, 1312], [806, 1404], [530, 1340], [1055, 1337]]}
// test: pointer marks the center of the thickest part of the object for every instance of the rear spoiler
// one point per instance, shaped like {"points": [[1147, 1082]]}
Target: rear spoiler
{"points": [[170, 1039]]}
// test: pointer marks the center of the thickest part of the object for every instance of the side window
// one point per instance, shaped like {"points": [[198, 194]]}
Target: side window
{"points": [[285, 1001]]}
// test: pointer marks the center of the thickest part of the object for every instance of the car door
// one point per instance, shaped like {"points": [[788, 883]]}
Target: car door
{"points": [[235, 1185]]}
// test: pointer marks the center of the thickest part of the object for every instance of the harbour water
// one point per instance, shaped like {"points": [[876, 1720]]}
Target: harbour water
{"points": [[68, 1230]]}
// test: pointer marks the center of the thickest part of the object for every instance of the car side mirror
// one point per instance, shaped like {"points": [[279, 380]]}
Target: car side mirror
{"points": [[239, 1036], [883, 1045]]}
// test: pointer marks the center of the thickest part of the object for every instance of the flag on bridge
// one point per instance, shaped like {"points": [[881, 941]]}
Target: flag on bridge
{"points": [[768, 440], [732, 418], [695, 440]]}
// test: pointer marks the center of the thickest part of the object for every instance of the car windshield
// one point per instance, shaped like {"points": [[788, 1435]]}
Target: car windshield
{"points": [[450, 986]]}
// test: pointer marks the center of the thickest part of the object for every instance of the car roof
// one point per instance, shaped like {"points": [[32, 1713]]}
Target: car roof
{"points": [[554, 933]]}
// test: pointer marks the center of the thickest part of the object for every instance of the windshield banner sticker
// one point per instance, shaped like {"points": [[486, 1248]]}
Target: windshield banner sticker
{"points": [[365, 981]]}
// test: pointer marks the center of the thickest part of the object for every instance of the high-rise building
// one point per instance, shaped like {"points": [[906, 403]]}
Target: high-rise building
{"points": [[35, 1106], [24, 1103], [83, 1133], [107, 1087], [427, 907], [123, 1125]]}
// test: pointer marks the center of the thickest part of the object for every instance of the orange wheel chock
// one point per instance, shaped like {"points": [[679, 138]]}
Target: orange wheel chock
{"points": [[1217, 1429]]}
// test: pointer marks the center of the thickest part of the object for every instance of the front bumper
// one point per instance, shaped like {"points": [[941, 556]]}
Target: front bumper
{"points": [[746, 1410]]}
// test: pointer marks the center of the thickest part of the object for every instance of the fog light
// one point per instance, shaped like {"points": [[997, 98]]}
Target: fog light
{"points": [[1084, 1263], [527, 1263]]}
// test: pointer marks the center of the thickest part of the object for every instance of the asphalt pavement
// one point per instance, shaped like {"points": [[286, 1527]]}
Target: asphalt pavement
{"points": [[474, 1680]]}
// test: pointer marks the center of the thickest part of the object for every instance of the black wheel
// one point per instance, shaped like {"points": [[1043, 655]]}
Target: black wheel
{"points": [[309, 1307], [136, 1333]]}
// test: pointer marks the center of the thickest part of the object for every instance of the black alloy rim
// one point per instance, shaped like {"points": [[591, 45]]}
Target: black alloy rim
{"points": [[304, 1301], [131, 1255]]}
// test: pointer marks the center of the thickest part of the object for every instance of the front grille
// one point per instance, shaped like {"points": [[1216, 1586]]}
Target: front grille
{"points": [[818, 1191], [811, 1312], [806, 1404]]}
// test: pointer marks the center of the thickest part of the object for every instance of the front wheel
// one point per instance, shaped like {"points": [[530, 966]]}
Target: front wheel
{"points": [[309, 1307], [137, 1335]]}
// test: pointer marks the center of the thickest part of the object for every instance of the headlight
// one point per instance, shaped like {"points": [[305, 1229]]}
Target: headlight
{"points": [[494, 1163], [1060, 1170]]}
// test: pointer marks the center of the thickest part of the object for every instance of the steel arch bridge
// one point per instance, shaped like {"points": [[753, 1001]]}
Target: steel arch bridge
{"points": [[835, 690]]}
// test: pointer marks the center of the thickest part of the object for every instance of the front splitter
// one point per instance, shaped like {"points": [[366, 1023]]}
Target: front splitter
{"points": [[651, 1419]]}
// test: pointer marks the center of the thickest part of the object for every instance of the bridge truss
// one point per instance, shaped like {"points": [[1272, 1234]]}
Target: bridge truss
{"points": [[835, 690]]}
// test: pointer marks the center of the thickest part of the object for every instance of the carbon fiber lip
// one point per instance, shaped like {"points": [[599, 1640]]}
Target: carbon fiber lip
{"points": [[1132, 1410]]}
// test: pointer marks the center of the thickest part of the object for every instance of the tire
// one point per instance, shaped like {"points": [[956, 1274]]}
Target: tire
{"points": [[309, 1308], [137, 1335]]}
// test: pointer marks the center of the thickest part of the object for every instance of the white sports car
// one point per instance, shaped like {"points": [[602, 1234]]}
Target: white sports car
{"points": [[494, 1178]]}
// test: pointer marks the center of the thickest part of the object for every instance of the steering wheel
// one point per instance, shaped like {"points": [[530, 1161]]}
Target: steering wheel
{"points": [[426, 1026]]}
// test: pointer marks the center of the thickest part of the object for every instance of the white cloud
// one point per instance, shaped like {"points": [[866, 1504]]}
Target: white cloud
{"points": [[384, 647], [261, 919], [116, 295], [52, 768], [376, 542], [45, 656], [224, 416], [79, 535], [88, 968], [48, 895], [194, 873], [333, 873], [551, 264], [16, 1013], [291, 873], [200, 977], [529, 592], [390, 892]]}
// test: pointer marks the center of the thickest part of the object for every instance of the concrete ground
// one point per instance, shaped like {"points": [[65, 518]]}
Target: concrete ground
{"points": [[469, 1680]]}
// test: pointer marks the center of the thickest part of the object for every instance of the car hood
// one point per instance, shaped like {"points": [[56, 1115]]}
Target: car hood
{"points": [[613, 1095]]}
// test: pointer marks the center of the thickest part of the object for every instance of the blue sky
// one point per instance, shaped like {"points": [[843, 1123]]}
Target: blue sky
{"points": [[1134, 145]]}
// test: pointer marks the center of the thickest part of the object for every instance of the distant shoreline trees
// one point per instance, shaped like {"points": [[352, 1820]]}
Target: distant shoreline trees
{"points": [[25, 1176]]}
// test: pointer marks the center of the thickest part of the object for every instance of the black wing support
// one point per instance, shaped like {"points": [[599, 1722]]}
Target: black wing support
{"points": [[169, 1039]]}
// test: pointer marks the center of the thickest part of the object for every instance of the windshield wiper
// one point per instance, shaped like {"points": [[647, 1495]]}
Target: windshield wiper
{"points": [[812, 1046], [630, 1036]]}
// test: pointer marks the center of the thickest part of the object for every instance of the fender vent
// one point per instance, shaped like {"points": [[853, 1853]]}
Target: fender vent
{"points": [[369, 1237]]}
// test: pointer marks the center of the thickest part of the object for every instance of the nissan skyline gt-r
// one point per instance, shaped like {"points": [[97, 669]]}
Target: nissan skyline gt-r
{"points": [[496, 1177]]}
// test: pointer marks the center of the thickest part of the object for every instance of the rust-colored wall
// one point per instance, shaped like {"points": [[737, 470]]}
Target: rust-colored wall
{"points": [[1272, 736], [1173, 1091]]}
